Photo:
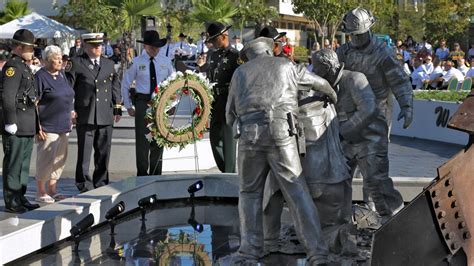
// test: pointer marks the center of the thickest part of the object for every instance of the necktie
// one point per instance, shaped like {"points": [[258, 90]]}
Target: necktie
{"points": [[181, 45], [96, 64], [202, 47], [167, 49], [153, 83]]}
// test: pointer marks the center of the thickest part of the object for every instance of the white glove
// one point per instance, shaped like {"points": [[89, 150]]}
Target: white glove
{"points": [[11, 128]]}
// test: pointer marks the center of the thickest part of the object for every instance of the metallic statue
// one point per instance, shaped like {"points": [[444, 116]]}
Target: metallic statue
{"points": [[369, 56], [327, 176], [261, 106], [363, 129]]}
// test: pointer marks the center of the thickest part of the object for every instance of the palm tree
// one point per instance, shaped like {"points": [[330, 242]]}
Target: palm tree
{"points": [[132, 10], [14, 9], [213, 10]]}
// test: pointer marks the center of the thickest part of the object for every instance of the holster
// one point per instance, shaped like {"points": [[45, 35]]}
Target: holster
{"points": [[132, 92], [296, 129]]}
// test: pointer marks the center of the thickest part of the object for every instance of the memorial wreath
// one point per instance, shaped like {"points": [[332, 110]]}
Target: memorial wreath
{"points": [[164, 103]]}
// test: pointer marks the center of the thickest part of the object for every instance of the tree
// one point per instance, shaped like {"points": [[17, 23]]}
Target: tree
{"points": [[256, 11], [132, 10], [14, 9], [213, 10], [94, 15], [325, 15], [448, 19]]}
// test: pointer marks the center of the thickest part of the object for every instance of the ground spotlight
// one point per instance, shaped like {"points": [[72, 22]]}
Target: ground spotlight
{"points": [[192, 222], [80, 227], [195, 187], [113, 213], [146, 202], [197, 226]]}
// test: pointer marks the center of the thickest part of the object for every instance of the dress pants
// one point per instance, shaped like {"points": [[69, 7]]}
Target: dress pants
{"points": [[149, 156], [283, 161], [16, 168], [223, 146], [99, 138]]}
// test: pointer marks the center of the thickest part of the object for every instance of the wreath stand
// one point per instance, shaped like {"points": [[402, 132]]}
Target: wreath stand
{"points": [[196, 155]]}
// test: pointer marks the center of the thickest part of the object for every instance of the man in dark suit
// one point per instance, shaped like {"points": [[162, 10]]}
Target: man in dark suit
{"points": [[97, 104], [77, 49], [18, 125]]}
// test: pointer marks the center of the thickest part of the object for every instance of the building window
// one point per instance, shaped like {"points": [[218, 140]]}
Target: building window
{"points": [[290, 25], [282, 25], [275, 24], [303, 27]]}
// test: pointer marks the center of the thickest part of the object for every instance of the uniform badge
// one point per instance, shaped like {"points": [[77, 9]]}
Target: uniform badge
{"points": [[10, 72], [225, 60], [141, 67], [68, 66], [91, 67]]}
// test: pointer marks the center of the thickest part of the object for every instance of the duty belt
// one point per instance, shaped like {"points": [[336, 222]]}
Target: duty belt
{"points": [[262, 116], [142, 96]]}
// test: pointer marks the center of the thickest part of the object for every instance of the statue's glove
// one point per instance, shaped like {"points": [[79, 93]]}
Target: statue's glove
{"points": [[407, 113]]}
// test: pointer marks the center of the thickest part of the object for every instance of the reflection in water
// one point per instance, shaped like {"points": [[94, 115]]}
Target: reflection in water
{"points": [[165, 238]]}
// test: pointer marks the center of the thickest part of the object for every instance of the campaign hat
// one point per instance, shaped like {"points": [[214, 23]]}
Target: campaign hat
{"points": [[24, 36], [152, 38], [215, 29]]}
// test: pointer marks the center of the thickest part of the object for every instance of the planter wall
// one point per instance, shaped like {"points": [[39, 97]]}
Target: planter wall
{"points": [[429, 122]]}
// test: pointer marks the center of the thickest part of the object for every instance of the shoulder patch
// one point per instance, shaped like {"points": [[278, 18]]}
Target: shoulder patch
{"points": [[68, 66], [10, 72]]}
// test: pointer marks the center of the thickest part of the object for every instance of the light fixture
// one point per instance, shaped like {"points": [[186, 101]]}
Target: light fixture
{"points": [[145, 203], [195, 187], [111, 214], [196, 226], [115, 211], [80, 228], [192, 222]]}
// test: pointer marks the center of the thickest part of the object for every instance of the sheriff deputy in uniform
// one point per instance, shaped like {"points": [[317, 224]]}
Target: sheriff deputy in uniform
{"points": [[18, 90], [220, 69], [148, 70], [97, 104]]}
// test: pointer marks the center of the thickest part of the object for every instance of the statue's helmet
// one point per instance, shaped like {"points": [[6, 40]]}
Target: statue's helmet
{"points": [[261, 46], [357, 21]]}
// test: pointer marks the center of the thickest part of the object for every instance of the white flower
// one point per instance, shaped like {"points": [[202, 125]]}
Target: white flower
{"points": [[149, 137], [164, 83], [149, 126], [172, 76], [189, 72]]}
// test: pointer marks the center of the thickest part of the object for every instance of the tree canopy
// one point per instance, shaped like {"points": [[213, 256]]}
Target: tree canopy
{"points": [[14, 9]]}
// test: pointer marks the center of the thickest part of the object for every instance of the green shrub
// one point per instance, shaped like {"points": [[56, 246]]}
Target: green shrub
{"points": [[300, 54], [447, 96]]}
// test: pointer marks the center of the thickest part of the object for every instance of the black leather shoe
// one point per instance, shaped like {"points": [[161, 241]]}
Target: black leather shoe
{"points": [[15, 209], [30, 206]]}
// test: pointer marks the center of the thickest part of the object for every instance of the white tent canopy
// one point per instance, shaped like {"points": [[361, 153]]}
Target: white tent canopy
{"points": [[41, 27]]}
